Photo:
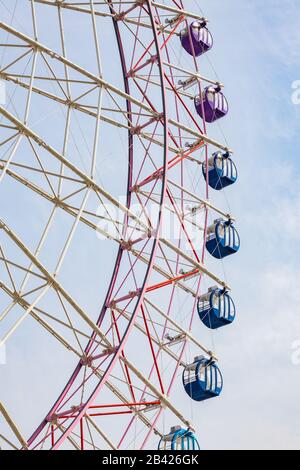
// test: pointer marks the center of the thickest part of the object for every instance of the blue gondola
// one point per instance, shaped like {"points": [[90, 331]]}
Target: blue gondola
{"points": [[202, 380], [179, 439], [216, 308], [222, 171], [222, 239]]}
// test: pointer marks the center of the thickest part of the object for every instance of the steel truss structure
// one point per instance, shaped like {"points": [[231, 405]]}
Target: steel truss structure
{"points": [[129, 355]]}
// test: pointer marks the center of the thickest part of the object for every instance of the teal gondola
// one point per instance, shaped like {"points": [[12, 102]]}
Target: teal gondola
{"points": [[179, 439]]}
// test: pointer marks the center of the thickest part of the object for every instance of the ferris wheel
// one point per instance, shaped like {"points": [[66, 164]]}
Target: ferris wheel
{"points": [[110, 240]]}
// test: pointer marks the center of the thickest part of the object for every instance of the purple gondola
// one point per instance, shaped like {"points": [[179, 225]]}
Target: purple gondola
{"points": [[196, 39], [213, 105]]}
